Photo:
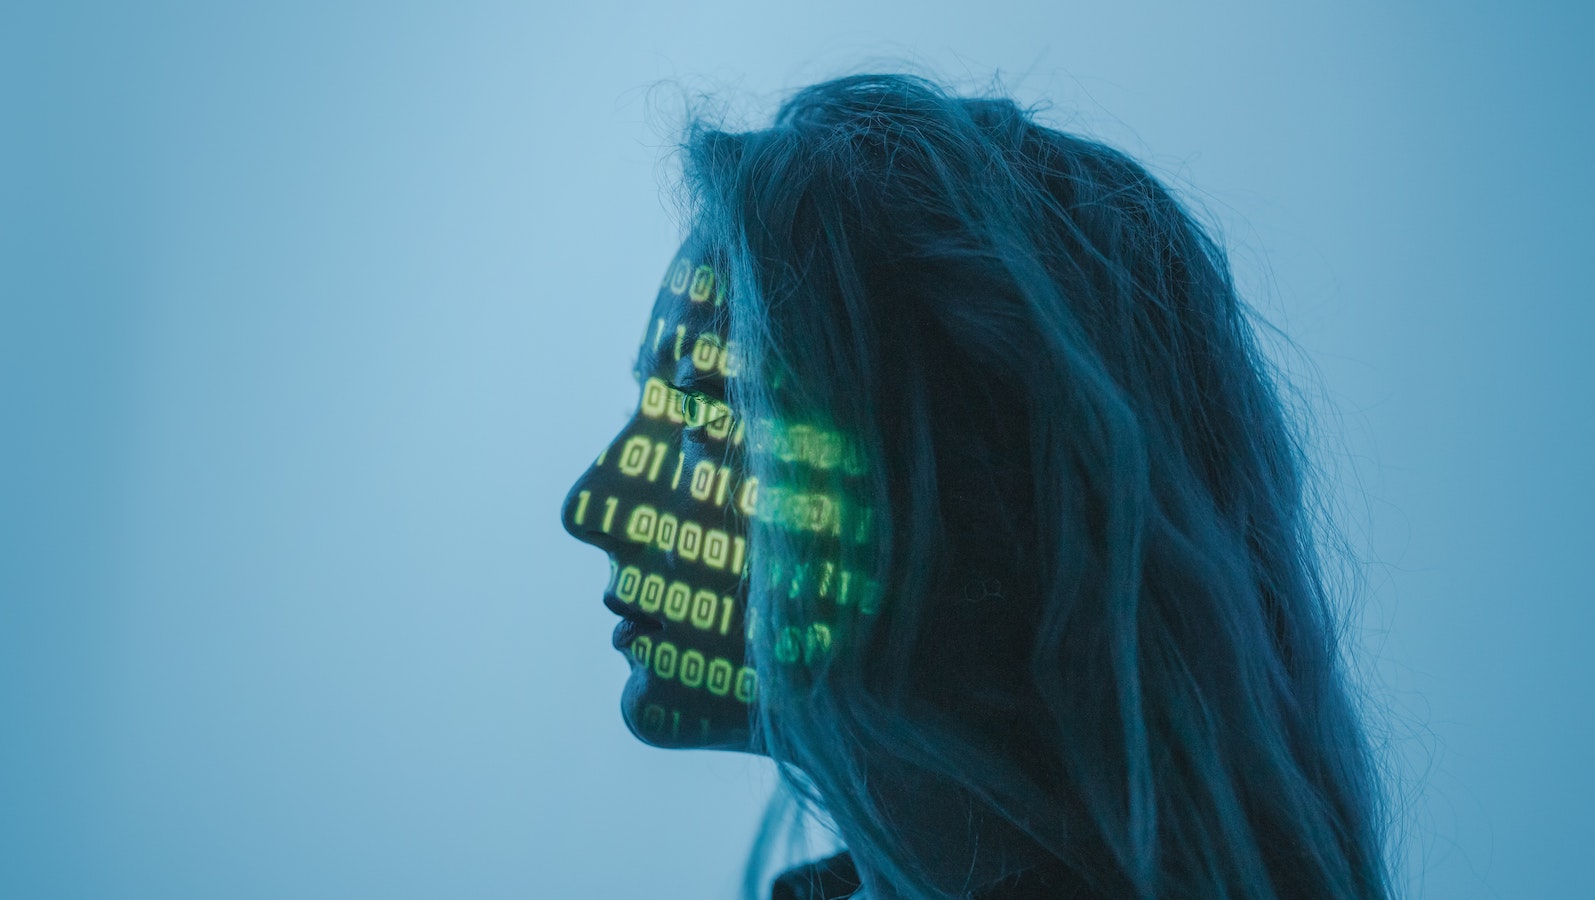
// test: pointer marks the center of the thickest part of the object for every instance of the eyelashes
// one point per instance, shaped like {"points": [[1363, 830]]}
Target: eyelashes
{"points": [[700, 410], [702, 415]]}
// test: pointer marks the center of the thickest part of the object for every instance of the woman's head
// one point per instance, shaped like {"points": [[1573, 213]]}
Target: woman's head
{"points": [[996, 377]]}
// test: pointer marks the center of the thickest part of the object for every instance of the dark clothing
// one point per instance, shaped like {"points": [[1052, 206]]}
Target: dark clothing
{"points": [[836, 878], [825, 879]]}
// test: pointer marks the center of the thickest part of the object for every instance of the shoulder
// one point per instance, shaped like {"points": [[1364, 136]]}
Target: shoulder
{"points": [[832, 878]]}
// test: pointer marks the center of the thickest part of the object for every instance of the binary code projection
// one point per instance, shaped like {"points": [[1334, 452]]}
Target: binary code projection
{"points": [[671, 500]]}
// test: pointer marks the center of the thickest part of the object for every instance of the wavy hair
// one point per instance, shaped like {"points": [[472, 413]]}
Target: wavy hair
{"points": [[1089, 631]]}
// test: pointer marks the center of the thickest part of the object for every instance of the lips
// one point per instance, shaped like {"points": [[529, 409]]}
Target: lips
{"points": [[645, 623], [633, 623]]}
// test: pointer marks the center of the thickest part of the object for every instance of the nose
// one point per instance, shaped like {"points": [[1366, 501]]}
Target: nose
{"points": [[582, 513]]}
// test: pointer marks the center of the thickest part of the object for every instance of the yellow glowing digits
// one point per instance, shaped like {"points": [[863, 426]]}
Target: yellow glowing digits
{"points": [[679, 600], [670, 501]]}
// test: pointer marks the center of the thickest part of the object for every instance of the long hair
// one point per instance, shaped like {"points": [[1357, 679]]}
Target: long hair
{"points": [[998, 379]]}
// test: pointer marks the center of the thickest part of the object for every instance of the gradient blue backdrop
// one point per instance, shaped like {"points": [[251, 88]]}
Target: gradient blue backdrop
{"points": [[310, 313]]}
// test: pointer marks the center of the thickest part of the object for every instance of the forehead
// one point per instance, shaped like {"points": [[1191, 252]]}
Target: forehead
{"points": [[689, 311]]}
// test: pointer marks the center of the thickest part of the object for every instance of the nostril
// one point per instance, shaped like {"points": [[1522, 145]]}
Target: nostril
{"points": [[584, 513]]}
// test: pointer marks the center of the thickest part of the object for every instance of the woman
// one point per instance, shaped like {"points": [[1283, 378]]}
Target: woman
{"points": [[960, 488]]}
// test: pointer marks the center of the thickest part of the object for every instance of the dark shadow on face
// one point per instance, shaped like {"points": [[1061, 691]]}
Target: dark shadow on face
{"points": [[668, 502]]}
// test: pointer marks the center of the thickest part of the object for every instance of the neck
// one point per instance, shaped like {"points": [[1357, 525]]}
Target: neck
{"points": [[986, 856]]}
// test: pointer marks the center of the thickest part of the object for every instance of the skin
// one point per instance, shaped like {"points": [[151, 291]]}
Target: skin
{"points": [[668, 503]]}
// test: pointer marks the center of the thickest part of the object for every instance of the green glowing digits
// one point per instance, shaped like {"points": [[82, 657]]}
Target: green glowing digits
{"points": [[667, 500], [672, 500]]}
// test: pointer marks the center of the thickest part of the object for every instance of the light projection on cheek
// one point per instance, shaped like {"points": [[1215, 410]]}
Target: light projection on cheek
{"points": [[672, 499]]}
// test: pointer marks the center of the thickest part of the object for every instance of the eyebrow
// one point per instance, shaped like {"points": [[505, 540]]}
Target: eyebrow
{"points": [[647, 360], [710, 387], [648, 363], [659, 359]]}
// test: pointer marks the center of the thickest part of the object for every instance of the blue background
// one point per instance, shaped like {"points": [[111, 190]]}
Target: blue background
{"points": [[310, 313]]}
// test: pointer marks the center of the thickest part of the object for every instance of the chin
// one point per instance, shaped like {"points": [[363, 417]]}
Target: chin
{"points": [[665, 716]]}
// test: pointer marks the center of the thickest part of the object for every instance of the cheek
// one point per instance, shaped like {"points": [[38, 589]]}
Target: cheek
{"points": [[695, 610], [682, 565], [687, 499]]}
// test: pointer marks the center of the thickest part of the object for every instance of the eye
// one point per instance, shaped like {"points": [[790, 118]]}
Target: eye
{"points": [[693, 408], [700, 411]]}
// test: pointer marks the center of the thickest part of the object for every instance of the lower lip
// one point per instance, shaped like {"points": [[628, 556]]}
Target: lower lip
{"points": [[626, 632]]}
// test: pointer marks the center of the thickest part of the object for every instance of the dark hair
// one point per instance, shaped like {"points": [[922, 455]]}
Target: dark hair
{"points": [[1101, 638]]}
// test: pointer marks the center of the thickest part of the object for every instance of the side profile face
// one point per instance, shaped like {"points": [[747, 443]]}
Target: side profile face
{"points": [[668, 502]]}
